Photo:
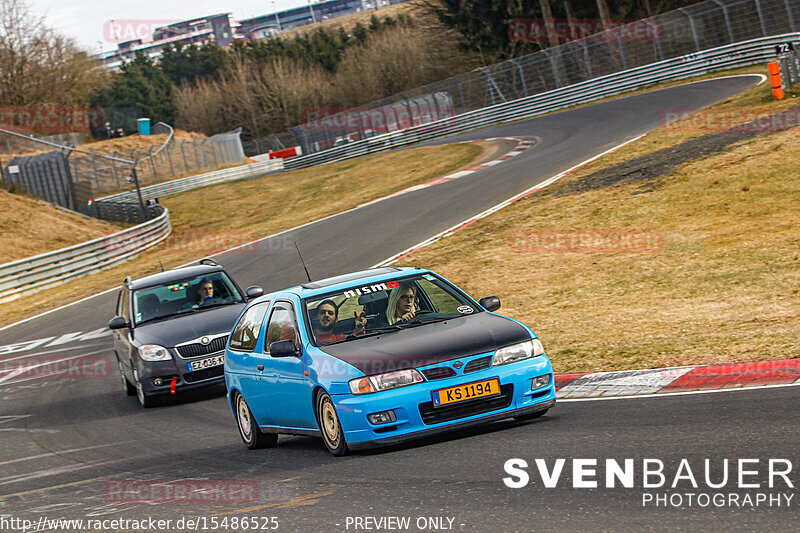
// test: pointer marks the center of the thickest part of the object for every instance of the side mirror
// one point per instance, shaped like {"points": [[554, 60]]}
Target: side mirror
{"points": [[490, 303], [253, 292], [283, 349], [118, 322]]}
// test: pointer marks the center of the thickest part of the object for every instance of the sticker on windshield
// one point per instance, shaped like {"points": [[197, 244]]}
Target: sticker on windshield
{"points": [[367, 289], [465, 309], [178, 287], [429, 277], [138, 317]]}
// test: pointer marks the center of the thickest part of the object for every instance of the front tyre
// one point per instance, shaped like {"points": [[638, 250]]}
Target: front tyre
{"points": [[248, 428], [145, 400], [329, 425]]}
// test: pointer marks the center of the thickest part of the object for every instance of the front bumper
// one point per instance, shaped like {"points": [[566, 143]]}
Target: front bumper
{"points": [[167, 370], [416, 417], [544, 406]]}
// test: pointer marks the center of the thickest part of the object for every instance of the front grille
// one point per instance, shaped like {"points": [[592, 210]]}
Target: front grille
{"points": [[195, 349], [478, 364], [435, 415], [206, 373], [440, 372]]}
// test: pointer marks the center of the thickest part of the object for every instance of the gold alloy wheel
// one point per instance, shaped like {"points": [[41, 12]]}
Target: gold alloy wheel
{"points": [[331, 423], [245, 425]]}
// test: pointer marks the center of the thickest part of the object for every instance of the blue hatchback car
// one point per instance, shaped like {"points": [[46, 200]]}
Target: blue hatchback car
{"points": [[378, 357]]}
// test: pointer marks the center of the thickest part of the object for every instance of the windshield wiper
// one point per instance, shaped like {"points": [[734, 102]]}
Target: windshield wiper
{"points": [[154, 319], [216, 304], [418, 321], [369, 333]]}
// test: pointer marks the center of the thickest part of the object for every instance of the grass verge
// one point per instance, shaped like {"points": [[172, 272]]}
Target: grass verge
{"points": [[713, 276], [250, 209], [26, 227]]}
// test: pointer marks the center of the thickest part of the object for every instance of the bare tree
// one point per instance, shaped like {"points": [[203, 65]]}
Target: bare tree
{"points": [[39, 67]]}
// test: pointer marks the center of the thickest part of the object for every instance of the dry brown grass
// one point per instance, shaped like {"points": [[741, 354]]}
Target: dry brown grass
{"points": [[723, 288], [27, 227], [239, 216], [111, 146], [348, 22]]}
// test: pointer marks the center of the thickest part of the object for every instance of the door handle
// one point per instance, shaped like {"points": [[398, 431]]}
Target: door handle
{"points": [[260, 367]]}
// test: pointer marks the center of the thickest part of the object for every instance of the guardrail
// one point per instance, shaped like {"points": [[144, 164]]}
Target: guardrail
{"points": [[724, 57], [194, 182], [33, 274]]}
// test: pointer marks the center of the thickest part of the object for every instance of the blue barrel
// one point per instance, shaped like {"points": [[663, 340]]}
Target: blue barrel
{"points": [[144, 126]]}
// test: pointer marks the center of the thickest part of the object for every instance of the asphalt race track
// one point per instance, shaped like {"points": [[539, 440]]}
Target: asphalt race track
{"points": [[80, 448]]}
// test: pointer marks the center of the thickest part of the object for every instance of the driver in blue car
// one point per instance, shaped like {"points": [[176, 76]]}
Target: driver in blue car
{"points": [[327, 316]]}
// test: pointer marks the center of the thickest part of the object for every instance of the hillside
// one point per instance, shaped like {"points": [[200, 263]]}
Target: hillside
{"points": [[27, 227]]}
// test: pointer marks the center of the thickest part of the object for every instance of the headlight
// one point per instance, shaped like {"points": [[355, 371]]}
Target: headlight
{"points": [[518, 352], [389, 380], [154, 352]]}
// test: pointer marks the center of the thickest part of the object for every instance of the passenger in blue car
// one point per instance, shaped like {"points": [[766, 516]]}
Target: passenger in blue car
{"points": [[327, 314], [401, 306]]}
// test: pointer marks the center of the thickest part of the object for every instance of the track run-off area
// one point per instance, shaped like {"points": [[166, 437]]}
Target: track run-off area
{"points": [[81, 449]]}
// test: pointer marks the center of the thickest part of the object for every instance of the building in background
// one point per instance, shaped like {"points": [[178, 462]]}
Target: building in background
{"points": [[223, 30], [220, 29], [273, 23]]}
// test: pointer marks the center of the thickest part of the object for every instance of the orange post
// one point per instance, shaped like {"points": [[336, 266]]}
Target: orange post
{"points": [[775, 79]]}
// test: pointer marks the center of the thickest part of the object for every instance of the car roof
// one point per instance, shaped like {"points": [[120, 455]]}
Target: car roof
{"points": [[165, 277], [344, 281]]}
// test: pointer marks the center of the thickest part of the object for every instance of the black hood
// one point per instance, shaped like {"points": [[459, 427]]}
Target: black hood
{"points": [[187, 327], [428, 344]]}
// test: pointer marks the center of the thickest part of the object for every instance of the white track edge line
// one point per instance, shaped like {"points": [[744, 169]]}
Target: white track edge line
{"points": [[501, 205], [681, 393]]}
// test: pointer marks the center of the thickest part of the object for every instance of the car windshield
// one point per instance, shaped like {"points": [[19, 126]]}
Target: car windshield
{"points": [[374, 308], [184, 296]]}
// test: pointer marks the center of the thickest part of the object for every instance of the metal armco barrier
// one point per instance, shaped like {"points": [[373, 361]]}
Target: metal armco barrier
{"points": [[195, 182], [47, 270], [29, 275], [724, 57]]}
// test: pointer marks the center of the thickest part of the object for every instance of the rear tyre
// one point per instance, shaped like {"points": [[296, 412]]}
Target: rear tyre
{"points": [[532, 416], [329, 425], [248, 428], [130, 390]]}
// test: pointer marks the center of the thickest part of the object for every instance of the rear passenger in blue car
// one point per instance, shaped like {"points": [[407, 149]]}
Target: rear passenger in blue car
{"points": [[327, 314]]}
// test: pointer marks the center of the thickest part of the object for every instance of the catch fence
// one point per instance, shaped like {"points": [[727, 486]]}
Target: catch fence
{"points": [[679, 33], [74, 177]]}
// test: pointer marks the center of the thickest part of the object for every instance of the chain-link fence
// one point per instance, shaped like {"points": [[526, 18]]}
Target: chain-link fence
{"points": [[73, 177], [674, 34]]}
